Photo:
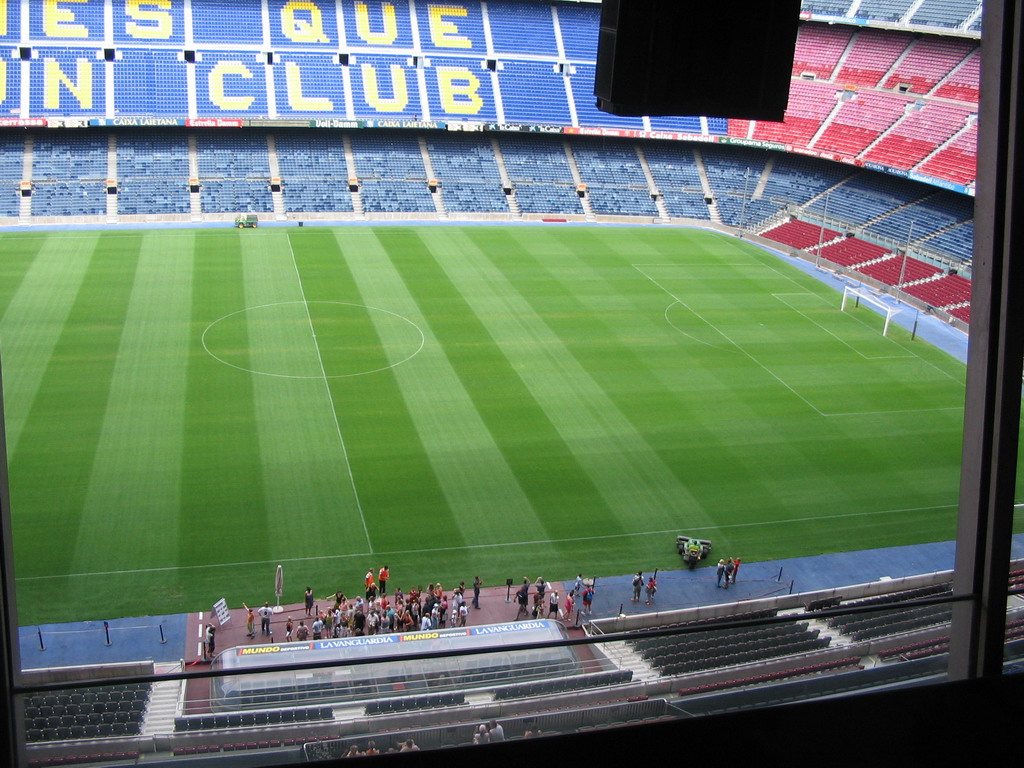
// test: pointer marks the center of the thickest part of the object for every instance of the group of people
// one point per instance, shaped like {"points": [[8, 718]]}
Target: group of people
{"points": [[490, 732], [651, 586], [377, 612], [552, 605], [371, 748], [727, 570]]}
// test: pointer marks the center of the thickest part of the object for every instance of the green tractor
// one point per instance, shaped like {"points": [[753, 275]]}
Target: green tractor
{"points": [[692, 549], [247, 221]]}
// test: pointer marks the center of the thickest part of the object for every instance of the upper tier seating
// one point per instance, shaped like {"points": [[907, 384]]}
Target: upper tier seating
{"points": [[872, 54], [928, 61], [809, 105], [947, 13], [957, 161], [819, 48], [860, 121], [533, 92], [579, 24], [518, 27], [917, 135], [963, 83], [884, 10]]}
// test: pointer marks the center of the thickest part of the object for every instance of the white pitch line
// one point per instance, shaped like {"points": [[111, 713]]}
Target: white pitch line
{"points": [[841, 340], [764, 368], [502, 545], [330, 398], [742, 351], [894, 341]]}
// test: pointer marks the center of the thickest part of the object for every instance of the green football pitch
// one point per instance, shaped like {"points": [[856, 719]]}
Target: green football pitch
{"points": [[186, 410]]}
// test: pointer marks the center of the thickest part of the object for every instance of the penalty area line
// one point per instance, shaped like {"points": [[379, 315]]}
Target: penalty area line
{"points": [[499, 545]]}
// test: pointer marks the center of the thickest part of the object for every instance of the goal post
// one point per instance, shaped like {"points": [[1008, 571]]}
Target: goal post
{"points": [[857, 295]]}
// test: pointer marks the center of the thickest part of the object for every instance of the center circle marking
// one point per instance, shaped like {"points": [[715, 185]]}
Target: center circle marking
{"points": [[267, 353]]}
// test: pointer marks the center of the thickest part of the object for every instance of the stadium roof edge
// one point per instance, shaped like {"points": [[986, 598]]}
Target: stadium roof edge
{"points": [[851, 21]]}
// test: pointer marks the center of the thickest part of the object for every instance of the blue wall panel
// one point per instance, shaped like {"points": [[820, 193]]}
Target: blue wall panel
{"points": [[231, 83], [148, 24], [309, 84], [305, 24], [378, 24], [385, 86], [150, 82], [67, 82], [71, 20], [231, 22], [451, 28]]}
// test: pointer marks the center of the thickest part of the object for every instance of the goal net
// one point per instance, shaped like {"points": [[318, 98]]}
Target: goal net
{"points": [[857, 295]]}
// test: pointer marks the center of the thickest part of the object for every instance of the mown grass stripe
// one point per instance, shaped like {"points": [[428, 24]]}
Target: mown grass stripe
{"points": [[223, 508], [397, 484], [134, 487], [311, 502], [477, 481], [494, 364], [34, 319], [17, 255], [631, 477], [51, 468]]}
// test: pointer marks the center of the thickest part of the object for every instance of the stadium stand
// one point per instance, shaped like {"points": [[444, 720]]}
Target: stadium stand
{"points": [[533, 92], [872, 54], [801, 234], [859, 122], [809, 105], [468, 172], [12, 153], [885, 10], [234, 172], [819, 48], [927, 62], [948, 13], [927, 126], [615, 180], [956, 160], [152, 173], [526, 28], [674, 170], [68, 175], [392, 175], [313, 172]]}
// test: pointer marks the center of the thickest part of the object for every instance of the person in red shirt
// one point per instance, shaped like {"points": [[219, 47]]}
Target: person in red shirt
{"points": [[382, 578]]}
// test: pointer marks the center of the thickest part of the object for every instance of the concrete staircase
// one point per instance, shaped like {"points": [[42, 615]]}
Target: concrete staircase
{"points": [[350, 167], [575, 170], [280, 212]]}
